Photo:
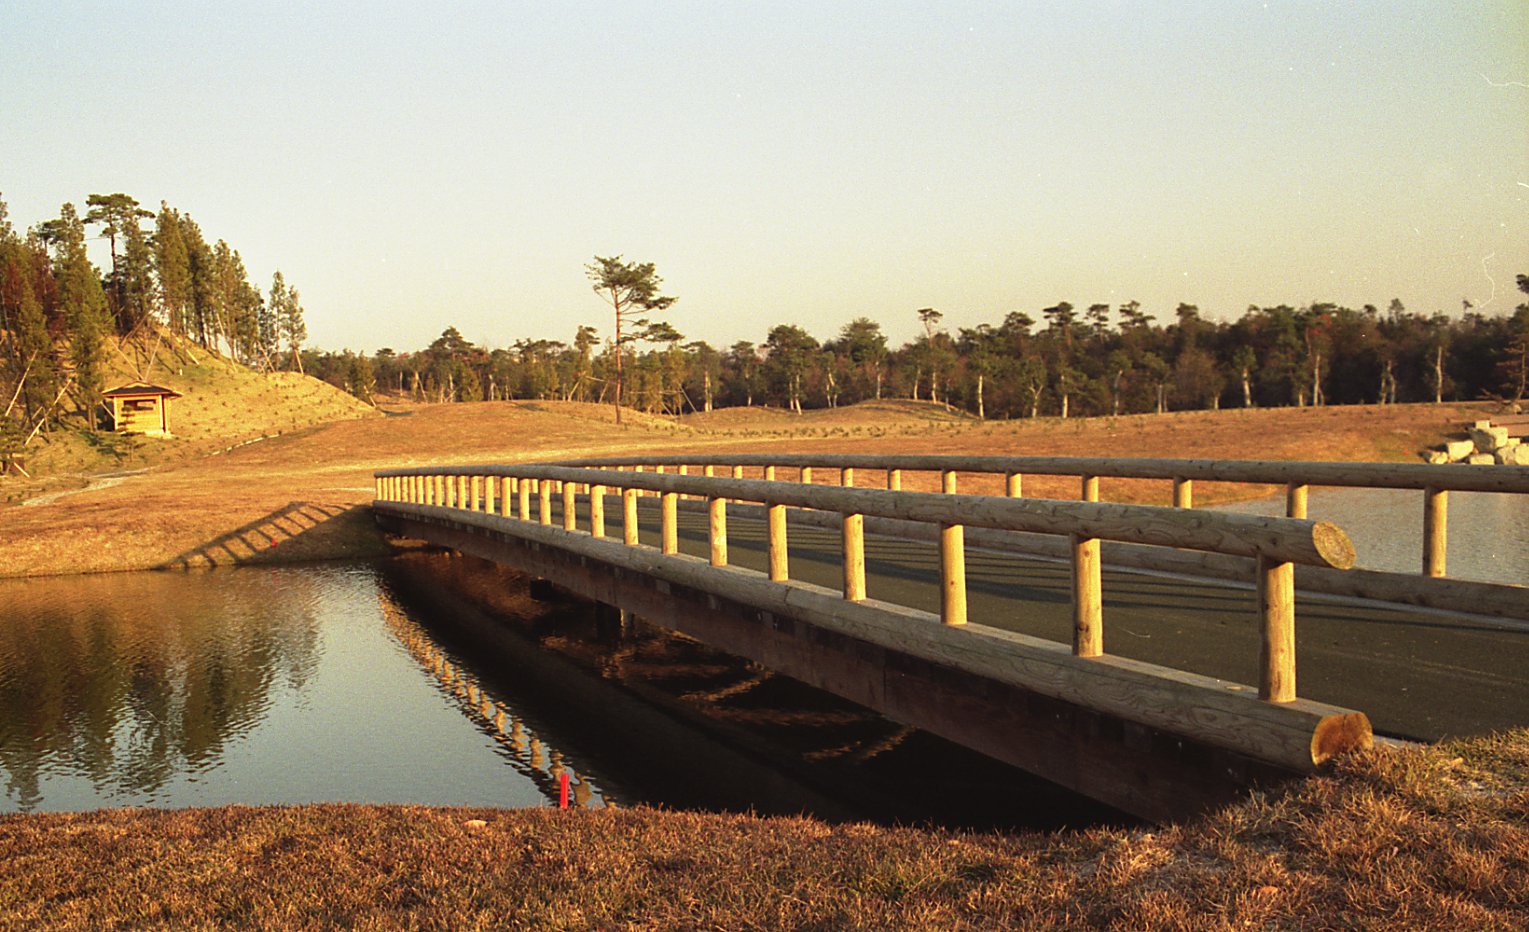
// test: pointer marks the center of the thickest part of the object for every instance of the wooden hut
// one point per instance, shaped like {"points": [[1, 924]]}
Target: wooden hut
{"points": [[141, 408]]}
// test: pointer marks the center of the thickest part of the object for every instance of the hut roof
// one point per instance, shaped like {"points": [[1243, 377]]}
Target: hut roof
{"points": [[141, 388]]}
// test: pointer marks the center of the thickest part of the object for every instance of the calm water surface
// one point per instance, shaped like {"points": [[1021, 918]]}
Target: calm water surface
{"points": [[1488, 532], [251, 685]]}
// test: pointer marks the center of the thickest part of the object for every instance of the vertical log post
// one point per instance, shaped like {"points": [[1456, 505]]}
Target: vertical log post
{"points": [[544, 501], [570, 509], [777, 524], [953, 574], [854, 557], [847, 477], [490, 486], [379, 495], [1087, 598], [769, 473], [1090, 488], [629, 517], [506, 491], [1014, 485], [1295, 500], [1276, 655], [806, 476], [525, 499], [1435, 530], [474, 497], [670, 522], [1183, 493], [894, 480], [948, 482], [462, 492], [597, 510], [737, 472], [440, 491], [716, 509]]}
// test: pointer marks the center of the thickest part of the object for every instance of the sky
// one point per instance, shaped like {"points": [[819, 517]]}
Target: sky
{"points": [[413, 166]]}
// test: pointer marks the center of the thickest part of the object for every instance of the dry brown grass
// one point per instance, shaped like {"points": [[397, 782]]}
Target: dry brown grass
{"points": [[184, 511], [1424, 838]]}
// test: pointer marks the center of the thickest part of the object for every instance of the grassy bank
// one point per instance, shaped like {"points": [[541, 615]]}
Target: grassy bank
{"points": [[300, 495], [1435, 837]]}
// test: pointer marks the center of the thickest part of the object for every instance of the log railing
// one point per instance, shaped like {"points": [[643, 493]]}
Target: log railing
{"points": [[1275, 545], [1431, 588]]}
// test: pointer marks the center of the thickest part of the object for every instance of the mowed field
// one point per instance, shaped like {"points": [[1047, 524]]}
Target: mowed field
{"points": [[238, 491]]}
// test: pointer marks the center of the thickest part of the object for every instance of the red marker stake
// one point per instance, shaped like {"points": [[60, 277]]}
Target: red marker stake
{"points": [[562, 780]]}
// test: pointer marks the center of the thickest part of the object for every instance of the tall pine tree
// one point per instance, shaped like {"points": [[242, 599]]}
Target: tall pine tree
{"points": [[85, 311], [173, 269]]}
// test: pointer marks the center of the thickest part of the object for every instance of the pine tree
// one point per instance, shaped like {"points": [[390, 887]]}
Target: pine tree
{"points": [[202, 312], [287, 312], [173, 269], [27, 370], [85, 311], [119, 216]]}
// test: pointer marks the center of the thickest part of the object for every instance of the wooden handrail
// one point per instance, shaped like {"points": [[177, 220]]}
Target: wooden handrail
{"points": [[1435, 481], [1455, 477], [1314, 543], [1276, 543]]}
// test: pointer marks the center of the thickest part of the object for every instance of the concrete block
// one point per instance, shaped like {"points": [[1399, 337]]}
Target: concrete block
{"points": [[1489, 438], [1458, 450], [1514, 455]]}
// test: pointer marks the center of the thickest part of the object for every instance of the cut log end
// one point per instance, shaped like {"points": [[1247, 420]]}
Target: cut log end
{"points": [[1333, 544], [1340, 734]]}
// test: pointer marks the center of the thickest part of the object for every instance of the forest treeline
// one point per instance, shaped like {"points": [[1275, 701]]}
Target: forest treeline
{"points": [[1063, 361], [57, 309]]}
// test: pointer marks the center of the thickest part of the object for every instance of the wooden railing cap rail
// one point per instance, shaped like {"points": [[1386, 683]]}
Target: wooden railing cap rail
{"points": [[1455, 477], [1282, 540]]}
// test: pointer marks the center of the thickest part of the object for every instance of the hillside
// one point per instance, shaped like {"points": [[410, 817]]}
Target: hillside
{"points": [[224, 405]]}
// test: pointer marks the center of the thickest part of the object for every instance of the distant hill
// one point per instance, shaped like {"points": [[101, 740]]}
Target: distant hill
{"points": [[224, 405]]}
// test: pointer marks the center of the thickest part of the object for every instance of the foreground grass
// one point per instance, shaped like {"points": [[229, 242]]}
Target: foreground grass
{"points": [[1435, 837]]}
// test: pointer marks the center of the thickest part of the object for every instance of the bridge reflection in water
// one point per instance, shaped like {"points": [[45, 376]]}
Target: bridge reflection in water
{"points": [[518, 741], [658, 718]]}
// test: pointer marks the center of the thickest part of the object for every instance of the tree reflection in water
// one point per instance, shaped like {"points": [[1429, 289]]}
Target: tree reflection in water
{"points": [[131, 680]]}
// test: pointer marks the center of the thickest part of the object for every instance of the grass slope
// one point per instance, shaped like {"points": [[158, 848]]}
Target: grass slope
{"points": [[224, 404], [1434, 837]]}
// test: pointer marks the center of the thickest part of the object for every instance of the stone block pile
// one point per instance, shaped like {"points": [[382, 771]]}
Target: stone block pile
{"points": [[1487, 446]]}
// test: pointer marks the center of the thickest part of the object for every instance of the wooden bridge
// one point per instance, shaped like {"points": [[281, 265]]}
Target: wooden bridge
{"points": [[779, 574]]}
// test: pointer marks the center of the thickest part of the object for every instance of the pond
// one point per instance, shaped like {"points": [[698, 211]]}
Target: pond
{"points": [[1488, 531], [436, 680], [250, 685]]}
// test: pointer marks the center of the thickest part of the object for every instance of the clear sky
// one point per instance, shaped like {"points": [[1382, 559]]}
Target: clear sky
{"points": [[413, 165]]}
